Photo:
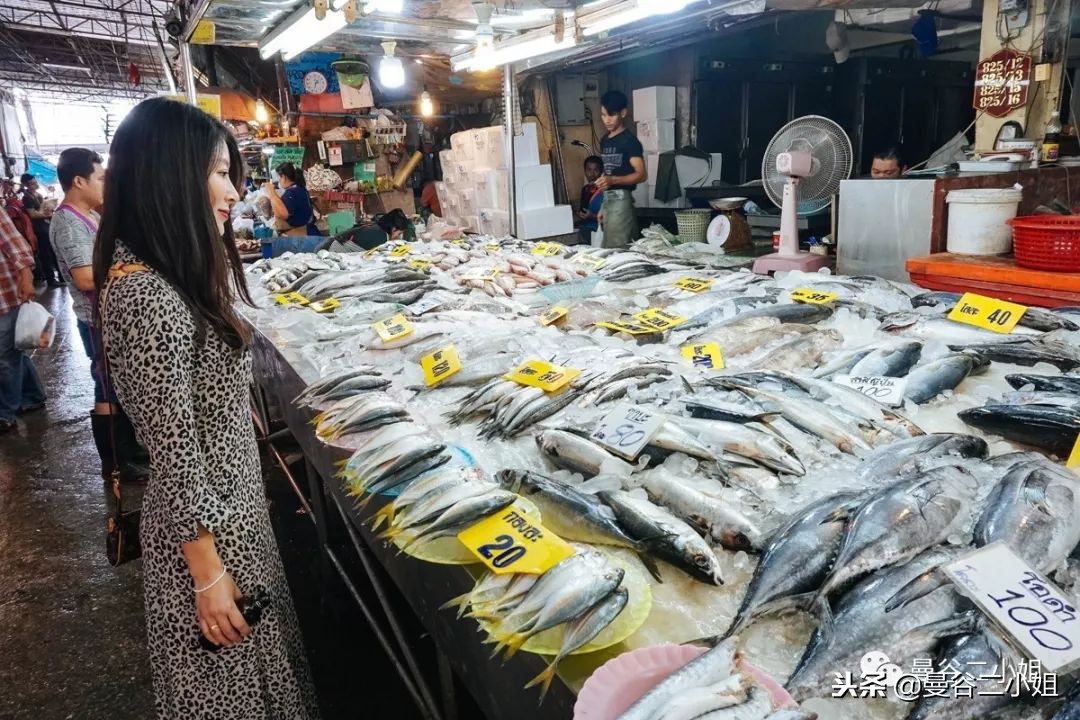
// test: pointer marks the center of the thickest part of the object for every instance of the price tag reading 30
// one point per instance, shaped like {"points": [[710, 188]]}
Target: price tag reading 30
{"points": [[440, 365], [1023, 603], [512, 542], [705, 355], [658, 319], [544, 375], [626, 430], [393, 328], [987, 313]]}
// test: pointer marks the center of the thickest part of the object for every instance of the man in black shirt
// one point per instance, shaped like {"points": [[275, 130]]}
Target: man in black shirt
{"points": [[47, 265], [624, 168]]}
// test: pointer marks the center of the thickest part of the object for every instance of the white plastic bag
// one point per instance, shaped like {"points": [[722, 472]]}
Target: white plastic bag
{"points": [[34, 327]]}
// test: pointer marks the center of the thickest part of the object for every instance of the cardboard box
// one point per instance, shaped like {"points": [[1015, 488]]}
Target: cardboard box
{"points": [[657, 136], [654, 103], [535, 188], [387, 201], [545, 222]]}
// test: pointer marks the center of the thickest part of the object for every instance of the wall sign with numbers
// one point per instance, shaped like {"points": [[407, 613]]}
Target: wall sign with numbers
{"points": [[1002, 82]]}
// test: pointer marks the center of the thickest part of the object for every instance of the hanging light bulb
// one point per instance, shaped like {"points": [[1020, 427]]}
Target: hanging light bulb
{"points": [[391, 71], [261, 116], [427, 107]]}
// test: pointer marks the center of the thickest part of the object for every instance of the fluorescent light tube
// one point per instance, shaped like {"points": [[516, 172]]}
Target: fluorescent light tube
{"points": [[300, 31], [514, 51]]}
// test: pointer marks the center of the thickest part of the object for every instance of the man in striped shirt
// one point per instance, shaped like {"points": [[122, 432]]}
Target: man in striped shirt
{"points": [[20, 387]]}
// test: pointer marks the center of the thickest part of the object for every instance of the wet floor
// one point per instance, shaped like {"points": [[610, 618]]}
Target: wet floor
{"points": [[72, 639]]}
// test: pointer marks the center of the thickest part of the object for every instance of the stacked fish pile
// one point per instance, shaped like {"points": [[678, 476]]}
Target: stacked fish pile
{"points": [[773, 504]]}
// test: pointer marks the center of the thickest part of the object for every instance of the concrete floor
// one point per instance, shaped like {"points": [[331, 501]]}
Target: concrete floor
{"points": [[72, 638]]}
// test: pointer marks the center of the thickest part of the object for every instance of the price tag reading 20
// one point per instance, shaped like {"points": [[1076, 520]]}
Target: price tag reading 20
{"points": [[626, 430], [987, 313], [512, 542]]}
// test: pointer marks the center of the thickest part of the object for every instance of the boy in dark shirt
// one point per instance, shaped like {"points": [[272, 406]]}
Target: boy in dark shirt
{"points": [[624, 168], [591, 198]]}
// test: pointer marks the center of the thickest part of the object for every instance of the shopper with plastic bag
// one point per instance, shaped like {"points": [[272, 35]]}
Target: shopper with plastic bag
{"points": [[20, 386]]}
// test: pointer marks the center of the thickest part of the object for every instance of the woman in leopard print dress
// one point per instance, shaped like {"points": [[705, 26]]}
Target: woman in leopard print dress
{"points": [[179, 357]]}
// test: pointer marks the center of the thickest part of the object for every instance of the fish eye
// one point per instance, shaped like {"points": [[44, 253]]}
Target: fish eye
{"points": [[701, 561]]}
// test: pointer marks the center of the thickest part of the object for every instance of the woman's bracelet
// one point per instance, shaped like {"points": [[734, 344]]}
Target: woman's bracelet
{"points": [[215, 582]]}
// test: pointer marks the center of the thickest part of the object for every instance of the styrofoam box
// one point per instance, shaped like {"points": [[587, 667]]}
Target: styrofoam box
{"points": [[489, 148], [545, 222], [694, 172], [470, 222], [652, 165], [534, 188], [447, 158], [654, 103], [679, 202], [657, 136]]}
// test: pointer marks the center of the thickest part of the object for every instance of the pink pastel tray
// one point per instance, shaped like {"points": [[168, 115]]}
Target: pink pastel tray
{"points": [[620, 682]]}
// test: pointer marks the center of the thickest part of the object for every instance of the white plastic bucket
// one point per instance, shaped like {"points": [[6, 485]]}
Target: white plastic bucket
{"points": [[977, 220]]}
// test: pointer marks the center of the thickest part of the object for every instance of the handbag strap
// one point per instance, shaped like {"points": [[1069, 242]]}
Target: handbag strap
{"points": [[118, 270]]}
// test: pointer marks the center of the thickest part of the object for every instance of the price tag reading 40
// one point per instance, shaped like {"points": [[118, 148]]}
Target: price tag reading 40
{"points": [[393, 328], [627, 429], [694, 285], [512, 542], [705, 355], [440, 365], [658, 319], [1023, 603], [543, 375], [987, 313], [814, 297]]}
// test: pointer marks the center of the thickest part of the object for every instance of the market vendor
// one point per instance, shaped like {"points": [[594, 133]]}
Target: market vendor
{"points": [[624, 169], [369, 234], [888, 164], [292, 209]]}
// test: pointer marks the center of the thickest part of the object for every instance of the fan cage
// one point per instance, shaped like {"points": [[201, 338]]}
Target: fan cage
{"points": [[830, 148]]}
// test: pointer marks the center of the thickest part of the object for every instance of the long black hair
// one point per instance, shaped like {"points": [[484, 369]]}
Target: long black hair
{"points": [[158, 205]]}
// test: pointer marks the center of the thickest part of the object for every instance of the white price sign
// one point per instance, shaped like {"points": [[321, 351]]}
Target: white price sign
{"points": [[1023, 603], [886, 390], [423, 305], [627, 429]]}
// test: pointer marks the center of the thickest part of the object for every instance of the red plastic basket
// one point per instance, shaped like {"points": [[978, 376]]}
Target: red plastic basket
{"points": [[1047, 242]]}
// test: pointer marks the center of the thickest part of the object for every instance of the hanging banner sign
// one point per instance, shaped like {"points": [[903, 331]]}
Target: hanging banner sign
{"points": [[1002, 82]]}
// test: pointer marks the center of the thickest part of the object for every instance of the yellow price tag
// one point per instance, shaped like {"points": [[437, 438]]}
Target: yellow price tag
{"points": [[659, 320], [297, 298], [439, 365], [401, 250], [460, 241], [625, 327], [813, 297], [694, 285], [419, 264], [554, 313], [705, 355], [282, 299], [541, 374], [325, 305], [373, 250], [393, 328], [512, 542], [547, 249], [493, 247], [987, 313], [589, 260], [1074, 457], [205, 33]]}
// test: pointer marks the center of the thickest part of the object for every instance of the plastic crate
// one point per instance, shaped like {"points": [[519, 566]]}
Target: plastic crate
{"points": [[1047, 242]]}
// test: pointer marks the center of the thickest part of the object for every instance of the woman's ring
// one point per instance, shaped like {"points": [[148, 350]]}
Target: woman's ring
{"points": [[215, 627]]}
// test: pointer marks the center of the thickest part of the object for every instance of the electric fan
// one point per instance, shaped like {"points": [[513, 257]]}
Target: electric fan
{"points": [[802, 168]]}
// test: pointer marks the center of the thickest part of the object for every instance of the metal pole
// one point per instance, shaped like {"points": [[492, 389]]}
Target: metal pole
{"points": [[509, 131], [188, 71]]}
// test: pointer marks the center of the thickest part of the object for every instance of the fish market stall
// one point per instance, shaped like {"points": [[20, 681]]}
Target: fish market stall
{"points": [[566, 456]]}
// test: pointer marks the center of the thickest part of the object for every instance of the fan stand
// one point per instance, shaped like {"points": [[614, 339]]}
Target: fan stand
{"points": [[789, 257]]}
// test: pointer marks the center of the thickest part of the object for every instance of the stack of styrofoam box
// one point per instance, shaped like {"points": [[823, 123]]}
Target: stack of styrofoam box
{"points": [[486, 174], [654, 111]]}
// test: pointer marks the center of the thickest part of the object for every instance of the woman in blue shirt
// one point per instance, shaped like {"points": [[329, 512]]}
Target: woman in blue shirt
{"points": [[293, 208]]}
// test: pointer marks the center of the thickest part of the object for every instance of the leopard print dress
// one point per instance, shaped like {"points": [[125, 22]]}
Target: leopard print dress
{"points": [[190, 406]]}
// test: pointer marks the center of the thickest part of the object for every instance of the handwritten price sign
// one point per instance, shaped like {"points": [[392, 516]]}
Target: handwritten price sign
{"points": [[886, 390], [1023, 603], [626, 430]]}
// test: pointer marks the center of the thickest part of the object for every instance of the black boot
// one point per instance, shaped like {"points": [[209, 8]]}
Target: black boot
{"points": [[131, 458], [102, 439]]}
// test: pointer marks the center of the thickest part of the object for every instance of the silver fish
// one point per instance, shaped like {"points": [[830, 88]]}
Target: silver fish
{"points": [[890, 362], [928, 381], [766, 448], [802, 351], [860, 624], [904, 456], [666, 536], [713, 517], [578, 454], [981, 655], [464, 514], [714, 666], [901, 520]]}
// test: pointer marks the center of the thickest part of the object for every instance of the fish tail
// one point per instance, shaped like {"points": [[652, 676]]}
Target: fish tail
{"points": [[819, 607], [389, 534], [363, 503], [650, 565], [383, 514], [461, 601], [919, 587], [543, 680]]}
